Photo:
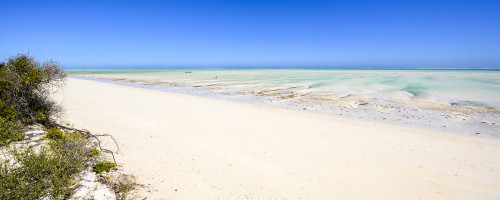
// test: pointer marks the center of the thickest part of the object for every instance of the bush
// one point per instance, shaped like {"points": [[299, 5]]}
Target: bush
{"points": [[48, 173], [9, 132], [95, 152], [75, 149], [54, 134], [35, 176], [25, 86], [103, 166]]}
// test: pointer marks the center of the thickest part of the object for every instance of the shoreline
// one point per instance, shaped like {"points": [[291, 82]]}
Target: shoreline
{"points": [[431, 116], [188, 147]]}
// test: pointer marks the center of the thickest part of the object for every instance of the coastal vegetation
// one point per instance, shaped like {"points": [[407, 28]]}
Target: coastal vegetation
{"points": [[25, 86], [48, 167], [47, 172], [9, 131], [103, 166]]}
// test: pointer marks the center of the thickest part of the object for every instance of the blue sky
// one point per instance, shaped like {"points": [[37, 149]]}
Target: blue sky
{"points": [[392, 34]]}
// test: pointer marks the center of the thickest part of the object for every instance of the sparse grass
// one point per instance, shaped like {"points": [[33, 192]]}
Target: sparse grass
{"points": [[121, 184]]}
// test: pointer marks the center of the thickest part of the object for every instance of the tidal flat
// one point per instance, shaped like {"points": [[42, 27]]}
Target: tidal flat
{"points": [[454, 101]]}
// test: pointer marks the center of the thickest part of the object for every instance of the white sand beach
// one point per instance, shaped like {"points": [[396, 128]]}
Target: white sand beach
{"points": [[187, 147]]}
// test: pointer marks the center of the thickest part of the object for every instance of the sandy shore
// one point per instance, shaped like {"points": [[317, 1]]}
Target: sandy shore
{"points": [[400, 108], [186, 147]]}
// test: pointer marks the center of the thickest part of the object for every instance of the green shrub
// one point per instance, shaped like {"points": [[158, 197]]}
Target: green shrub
{"points": [[50, 172], [75, 149], [54, 134], [36, 175], [95, 152], [103, 166], [9, 132], [25, 86]]}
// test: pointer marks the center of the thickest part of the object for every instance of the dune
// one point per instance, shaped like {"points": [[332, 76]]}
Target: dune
{"points": [[187, 147]]}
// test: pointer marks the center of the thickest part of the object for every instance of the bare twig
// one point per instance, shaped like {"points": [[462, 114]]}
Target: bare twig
{"points": [[96, 137]]}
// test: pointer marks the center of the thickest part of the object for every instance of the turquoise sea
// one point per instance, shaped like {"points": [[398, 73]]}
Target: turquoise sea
{"points": [[456, 101], [480, 87]]}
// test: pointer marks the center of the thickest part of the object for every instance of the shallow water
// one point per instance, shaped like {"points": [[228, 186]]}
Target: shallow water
{"points": [[465, 101], [453, 86]]}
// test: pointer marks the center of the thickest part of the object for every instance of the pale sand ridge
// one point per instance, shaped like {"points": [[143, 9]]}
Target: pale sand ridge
{"points": [[190, 147]]}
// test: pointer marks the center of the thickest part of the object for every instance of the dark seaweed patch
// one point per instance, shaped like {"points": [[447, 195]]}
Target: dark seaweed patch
{"points": [[415, 90], [469, 103]]}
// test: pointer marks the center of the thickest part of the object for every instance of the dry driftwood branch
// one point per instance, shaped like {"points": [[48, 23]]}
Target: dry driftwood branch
{"points": [[96, 137]]}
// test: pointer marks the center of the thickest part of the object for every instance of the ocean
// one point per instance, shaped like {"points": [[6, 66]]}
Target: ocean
{"points": [[451, 100], [452, 86]]}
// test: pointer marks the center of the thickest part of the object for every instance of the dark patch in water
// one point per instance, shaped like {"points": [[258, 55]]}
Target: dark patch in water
{"points": [[469, 103], [317, 85], [415, 90]]}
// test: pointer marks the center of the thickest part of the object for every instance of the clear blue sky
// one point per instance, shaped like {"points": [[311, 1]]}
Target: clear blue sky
{"points": [[371, 33]]}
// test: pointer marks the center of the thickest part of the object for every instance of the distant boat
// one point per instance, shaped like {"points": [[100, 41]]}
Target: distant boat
{"points": [[188, 72]]}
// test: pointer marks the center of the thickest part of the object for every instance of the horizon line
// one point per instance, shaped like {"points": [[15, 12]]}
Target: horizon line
{"points": [[216, 68]]}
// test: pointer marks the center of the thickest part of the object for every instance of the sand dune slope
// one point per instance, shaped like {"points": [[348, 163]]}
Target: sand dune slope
{"points": [[186, 147]]}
